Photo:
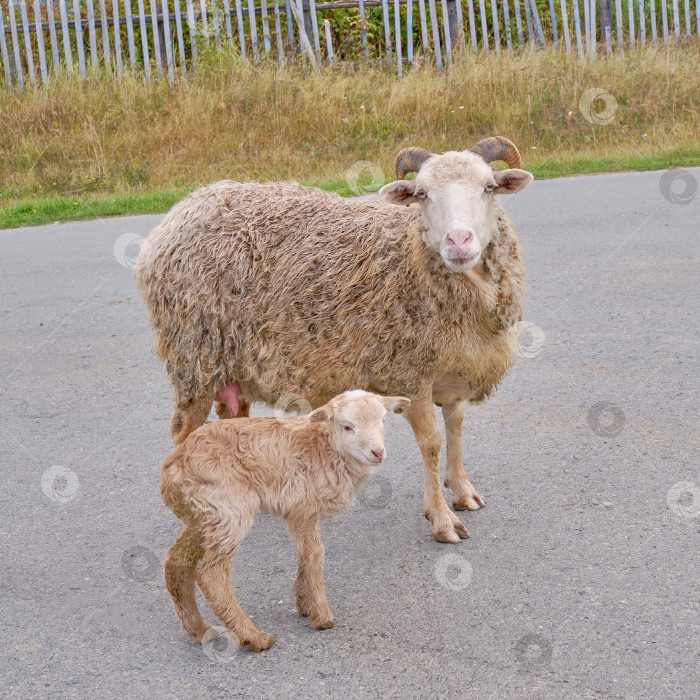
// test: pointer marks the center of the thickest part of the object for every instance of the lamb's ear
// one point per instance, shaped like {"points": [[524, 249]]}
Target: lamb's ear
{"points": [[321, 414], [399, 192], [512, 180], [397, 404]]}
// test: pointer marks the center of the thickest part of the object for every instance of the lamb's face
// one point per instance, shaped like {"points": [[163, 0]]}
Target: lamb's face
{"points": [[455, 192], [357, 419]]}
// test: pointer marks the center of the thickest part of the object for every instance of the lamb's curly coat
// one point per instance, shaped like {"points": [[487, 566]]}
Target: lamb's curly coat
{"points": [[348, 296]]}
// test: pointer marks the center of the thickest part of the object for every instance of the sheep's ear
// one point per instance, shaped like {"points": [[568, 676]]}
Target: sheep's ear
{"points": [[399, 192], [320, 414], [397, 404], [512, 180]]}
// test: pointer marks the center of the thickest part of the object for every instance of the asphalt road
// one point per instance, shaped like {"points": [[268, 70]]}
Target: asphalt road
{"points": [[580, 579]]}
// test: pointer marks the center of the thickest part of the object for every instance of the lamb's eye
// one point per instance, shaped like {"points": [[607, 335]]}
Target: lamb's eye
{"points": [[348, 428], [421, 195], [489, 188]]}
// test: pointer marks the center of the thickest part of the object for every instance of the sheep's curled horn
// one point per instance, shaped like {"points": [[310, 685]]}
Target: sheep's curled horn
{"points": [[410, 160], [498, 148]]}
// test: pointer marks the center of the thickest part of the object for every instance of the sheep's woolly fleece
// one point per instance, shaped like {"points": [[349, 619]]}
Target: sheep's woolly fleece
{"points": [[291, 290]]}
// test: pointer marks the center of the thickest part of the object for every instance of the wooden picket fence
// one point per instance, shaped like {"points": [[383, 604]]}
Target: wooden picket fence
{"points": [[165, 36]]}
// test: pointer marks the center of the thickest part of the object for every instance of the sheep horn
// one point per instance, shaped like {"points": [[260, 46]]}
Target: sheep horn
{"points": [[409, 160], [498, 148]]}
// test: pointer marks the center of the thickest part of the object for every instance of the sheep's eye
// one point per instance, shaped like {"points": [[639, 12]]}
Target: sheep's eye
{"points": [[421, 195], [489, 188], [348, 428]]}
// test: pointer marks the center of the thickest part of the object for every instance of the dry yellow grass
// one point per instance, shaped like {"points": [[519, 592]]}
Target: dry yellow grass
{"points": [[233, 120]]}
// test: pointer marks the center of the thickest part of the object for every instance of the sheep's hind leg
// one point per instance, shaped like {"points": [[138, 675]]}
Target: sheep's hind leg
{"points": [[213, 577], [464, 495], [190, 414], [180, 564], [447, 527]]}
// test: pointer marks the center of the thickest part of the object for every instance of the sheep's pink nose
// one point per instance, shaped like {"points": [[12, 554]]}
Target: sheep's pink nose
{"points": [[459, 238], [378, 453]]}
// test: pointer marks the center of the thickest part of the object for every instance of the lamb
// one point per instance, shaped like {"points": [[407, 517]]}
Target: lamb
{"points": [[262, 292], [302, 469]]}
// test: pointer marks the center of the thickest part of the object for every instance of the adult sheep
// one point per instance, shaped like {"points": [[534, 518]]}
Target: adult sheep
{"points": [[263, 291]]}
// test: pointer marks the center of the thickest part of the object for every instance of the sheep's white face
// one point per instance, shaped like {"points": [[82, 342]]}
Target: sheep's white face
{"points": [[358, 422], [455, 192]]}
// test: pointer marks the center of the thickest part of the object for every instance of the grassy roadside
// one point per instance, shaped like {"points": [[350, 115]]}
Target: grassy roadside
{"points": [[36, 211], [104, 147]]}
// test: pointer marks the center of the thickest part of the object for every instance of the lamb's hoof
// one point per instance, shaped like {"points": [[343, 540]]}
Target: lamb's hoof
{"points": [[258, 642], [324, 624], [210, 634]]}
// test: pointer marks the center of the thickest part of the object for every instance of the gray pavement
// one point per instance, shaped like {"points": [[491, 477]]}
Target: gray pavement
{"points": [[580, 579]]}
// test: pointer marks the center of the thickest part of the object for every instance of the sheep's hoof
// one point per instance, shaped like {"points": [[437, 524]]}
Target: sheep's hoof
{"points": [[322, 624], [450, 535], [258, 642], [466, 503], [465, 497]]}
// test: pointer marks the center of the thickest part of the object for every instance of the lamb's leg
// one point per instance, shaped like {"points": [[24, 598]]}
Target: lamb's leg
{"points": [[190, 414], [464, 495], [180, 564], [213, 577], [446, 525], [308, 589]]}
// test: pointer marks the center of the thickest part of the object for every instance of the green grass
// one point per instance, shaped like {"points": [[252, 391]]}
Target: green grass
{"points": [[36, 211]]}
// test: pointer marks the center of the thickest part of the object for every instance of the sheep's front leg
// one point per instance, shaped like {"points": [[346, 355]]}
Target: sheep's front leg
{"points": [[308, 589], [446, 525], [464, 495]]}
